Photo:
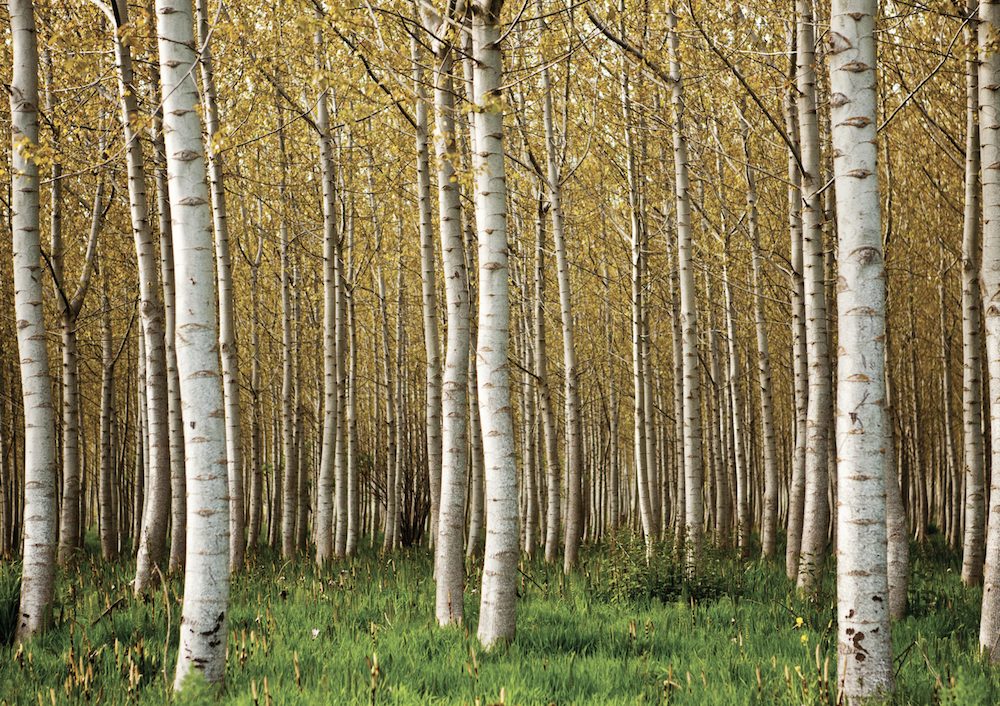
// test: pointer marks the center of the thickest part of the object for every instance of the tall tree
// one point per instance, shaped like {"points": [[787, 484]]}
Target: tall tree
{"points": [[864, 644], [39, 550], [497, 613], [974, 541], [816, 514], [449, 565], [206, 579], [224, 276], [989, 137]]}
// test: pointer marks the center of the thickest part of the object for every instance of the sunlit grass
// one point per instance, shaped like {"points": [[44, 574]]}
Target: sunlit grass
{"points": [[615, 633]]}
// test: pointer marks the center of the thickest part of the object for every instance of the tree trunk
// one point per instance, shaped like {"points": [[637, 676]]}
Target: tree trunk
{"points": [[432, 346], [974, 542], [206, 579], [863, 436], [152, 540], [769, 514], [694, 506], [40, 463], [227, 324], [816, 512], [449, 564], [499, 590], [325, 482], [989, 134]]}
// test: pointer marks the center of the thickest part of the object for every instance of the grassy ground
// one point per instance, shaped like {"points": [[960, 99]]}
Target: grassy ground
{"points": [[617, 633]]}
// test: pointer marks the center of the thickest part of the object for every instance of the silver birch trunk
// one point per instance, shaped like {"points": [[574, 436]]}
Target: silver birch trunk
{"points": [[106, 474], [449, 564], [739, 452], [391, 500], [206, 579], [574, 422], [152, 540], [432, 345], [800, 368], [497, 614], [974, 541], [694, 506], [865, 666], [816, 511], [40, 463], [769, 513], [325, 481], [545, 406], [227, 323], [989, 135]]}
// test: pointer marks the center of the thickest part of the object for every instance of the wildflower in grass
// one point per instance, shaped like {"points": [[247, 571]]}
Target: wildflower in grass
{"points": [[799, 622], [804, 639]]}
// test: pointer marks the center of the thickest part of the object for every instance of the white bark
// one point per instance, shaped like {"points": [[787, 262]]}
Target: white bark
{"points": [[816, 511], [865, 667], [974, 541], [694, 506], [989, 134], [39, 528], [497, 615], [227, 324], [325, 484], [449, 564], [574, 421], [800, 370], [432, 346], [769, 513], [206, 580], [152, 540]]}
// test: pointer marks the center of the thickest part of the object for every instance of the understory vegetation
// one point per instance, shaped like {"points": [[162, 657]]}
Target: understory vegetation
{"points": [[616, 632]]}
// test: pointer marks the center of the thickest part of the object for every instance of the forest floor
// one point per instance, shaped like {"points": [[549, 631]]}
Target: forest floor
{"points": [[617, 632]]}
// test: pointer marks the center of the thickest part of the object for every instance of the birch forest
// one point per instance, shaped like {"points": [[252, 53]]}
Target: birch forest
{"points": [[485, 352]]}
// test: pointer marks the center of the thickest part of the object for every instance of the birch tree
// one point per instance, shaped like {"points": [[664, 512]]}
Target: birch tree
{"points": [[816, 508], [499, 590], [865, 666], [989, 137], [39, 550], [206, 579], [223, 266], [974, 541], [449, 565]]}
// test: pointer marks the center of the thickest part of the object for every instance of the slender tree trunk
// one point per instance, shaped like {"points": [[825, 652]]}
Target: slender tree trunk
{"points": [[864, 647], [499, 590], [974, 542], [325, 484], [227, 324], [175, 424], [769, 515], [739, 451], [206, 579], [545, 406], [289, 473], [391, 499], [106, 475], [800, 367], [449, 565], [816, 512], [574, 422], [152, 541], [694, 506], [71, 525], [38, 568], [432, 346], [989, 134], [638, 373]]}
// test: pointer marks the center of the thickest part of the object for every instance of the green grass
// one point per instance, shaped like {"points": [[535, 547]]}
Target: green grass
{"points": [[616, 633]]}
